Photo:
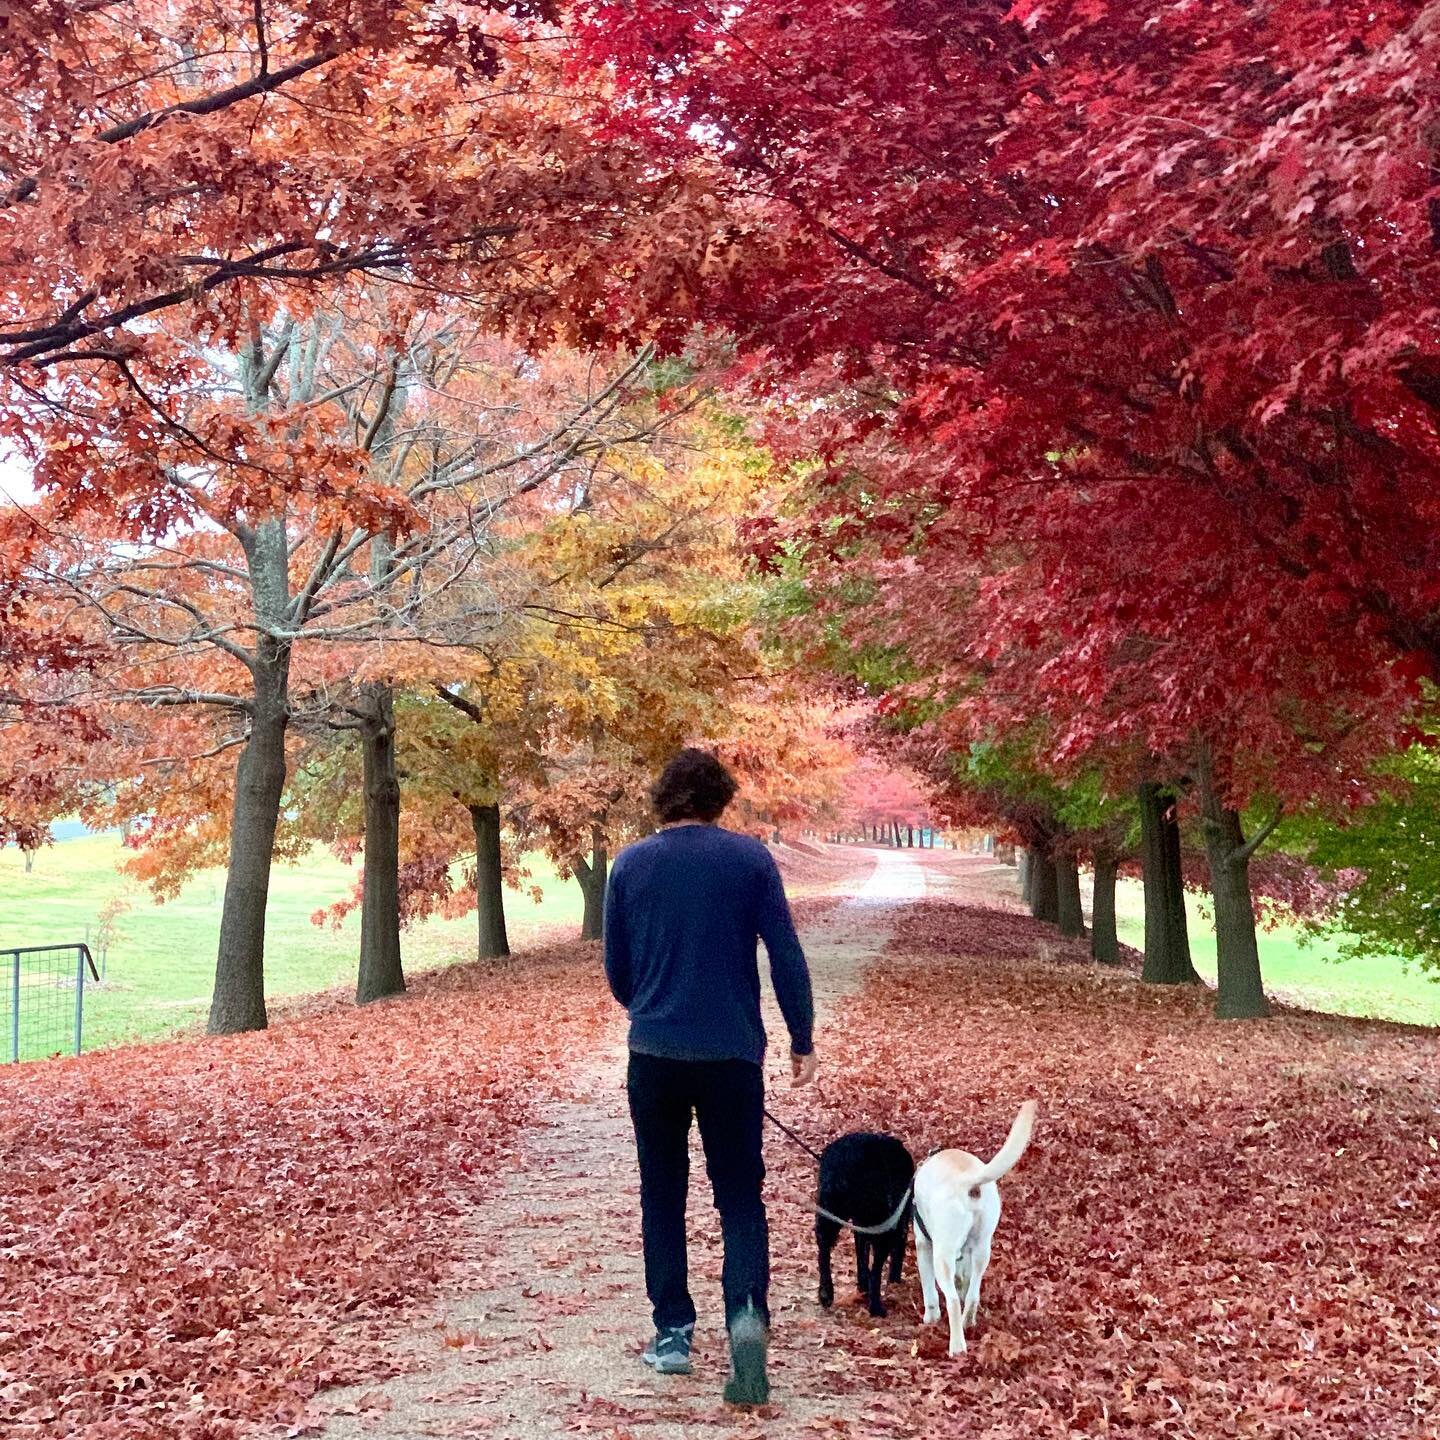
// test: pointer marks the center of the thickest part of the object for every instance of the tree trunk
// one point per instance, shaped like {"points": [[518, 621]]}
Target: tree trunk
{"points": [[381, 971], [1240, 995], [29, 860], [592, 874], [1044, 887], [1167, 938], [489, 883], [1104, 942], [1026, 871], [1070, 915], [910, 837], [238, 1002]]}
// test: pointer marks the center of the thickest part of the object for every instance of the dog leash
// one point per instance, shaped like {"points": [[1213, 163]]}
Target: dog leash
{"points": [[825, 1214], [785, 1130], [884, 1229]]}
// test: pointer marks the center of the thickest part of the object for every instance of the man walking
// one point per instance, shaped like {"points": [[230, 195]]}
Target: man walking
{"points": [[683, 912]]}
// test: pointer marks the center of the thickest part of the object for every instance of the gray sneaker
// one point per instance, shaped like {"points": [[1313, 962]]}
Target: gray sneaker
{"points": [[669, 1352], [748, 1383]]}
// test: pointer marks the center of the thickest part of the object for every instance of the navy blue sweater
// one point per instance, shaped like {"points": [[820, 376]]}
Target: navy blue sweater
{"points": [[683, 912]]}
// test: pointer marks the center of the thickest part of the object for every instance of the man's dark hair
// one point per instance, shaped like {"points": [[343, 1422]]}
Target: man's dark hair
{"points": [[693, 786]]}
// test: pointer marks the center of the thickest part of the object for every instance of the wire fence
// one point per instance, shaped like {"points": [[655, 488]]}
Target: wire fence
{"points": [[42, 1000]]}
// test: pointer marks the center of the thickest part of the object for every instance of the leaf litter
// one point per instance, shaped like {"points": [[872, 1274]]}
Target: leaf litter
{"points": [[1219, 1230], [203, 1233]]}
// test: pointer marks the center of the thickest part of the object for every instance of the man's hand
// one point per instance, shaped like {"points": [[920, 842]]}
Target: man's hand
{"points": [[803, 1068]]}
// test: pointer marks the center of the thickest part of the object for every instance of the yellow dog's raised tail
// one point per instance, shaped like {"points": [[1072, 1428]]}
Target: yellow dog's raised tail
{"points": [[1008, 1155]]}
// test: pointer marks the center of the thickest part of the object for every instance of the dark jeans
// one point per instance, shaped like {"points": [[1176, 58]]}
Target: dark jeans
{"points": [[727, 1097]]}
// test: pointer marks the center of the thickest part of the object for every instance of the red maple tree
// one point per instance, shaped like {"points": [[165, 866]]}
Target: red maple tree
{"points": [[1129, 305]]}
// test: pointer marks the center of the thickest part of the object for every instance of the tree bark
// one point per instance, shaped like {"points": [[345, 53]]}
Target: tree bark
{"points": [[1104, 941], [592, 874], [1026, 871], [381, 972], [909, 837], [1044, 887], [494, 942], [1240, 993], [29, 860], [238, 1002], [1070, 915], [1167, 937]]}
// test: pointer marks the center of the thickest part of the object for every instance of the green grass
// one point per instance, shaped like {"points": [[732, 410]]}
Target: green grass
{"points": [[1306, 975], [161, 963]]}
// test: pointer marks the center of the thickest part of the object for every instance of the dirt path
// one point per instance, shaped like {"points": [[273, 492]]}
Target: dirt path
{"points": [[542, 1335]]}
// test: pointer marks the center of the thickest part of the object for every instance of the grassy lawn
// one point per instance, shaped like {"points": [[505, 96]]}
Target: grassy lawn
{"points": [[161, 962], [1305, 975], [160, 966]]}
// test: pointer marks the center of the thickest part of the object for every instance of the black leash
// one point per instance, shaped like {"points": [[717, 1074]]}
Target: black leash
{"points": [[820, 1210], [784, 1129]]}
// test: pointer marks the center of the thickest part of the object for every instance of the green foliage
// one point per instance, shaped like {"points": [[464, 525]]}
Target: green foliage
{"points": [[1082, 805], [1008, 765], [1088, 807], [1390, 907]]}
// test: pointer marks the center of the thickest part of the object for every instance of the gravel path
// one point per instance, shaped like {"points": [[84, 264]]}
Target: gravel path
{"points": [[543, 1333]]}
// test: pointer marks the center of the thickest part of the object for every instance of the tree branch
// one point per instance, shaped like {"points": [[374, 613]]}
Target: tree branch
{"points": [[466, 707], [262, 45], [1245, 851]]}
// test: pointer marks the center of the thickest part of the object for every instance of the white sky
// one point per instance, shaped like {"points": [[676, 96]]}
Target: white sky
{"points": [[15, 485]]}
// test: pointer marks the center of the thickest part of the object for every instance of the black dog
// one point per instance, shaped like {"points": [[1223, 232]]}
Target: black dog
{"points": [[865, 1179]]}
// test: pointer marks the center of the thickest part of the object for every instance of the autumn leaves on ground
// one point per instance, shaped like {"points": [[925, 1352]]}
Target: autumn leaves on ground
{"points": [[1218, 1231]]}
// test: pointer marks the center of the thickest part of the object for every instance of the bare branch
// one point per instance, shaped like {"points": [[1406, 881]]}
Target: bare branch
{"points": [[466, 707], [261, 43], [1245, 851], [382, 408], [229, 743], [174, 695]]}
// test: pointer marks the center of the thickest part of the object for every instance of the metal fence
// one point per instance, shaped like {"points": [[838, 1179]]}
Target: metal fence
{"points": [[42, 999]]}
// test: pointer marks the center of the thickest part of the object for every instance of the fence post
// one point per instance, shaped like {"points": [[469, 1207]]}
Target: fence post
{"points": [[15, 1009], [79, 992]]}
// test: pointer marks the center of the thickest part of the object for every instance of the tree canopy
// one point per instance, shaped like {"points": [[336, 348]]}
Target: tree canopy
{"points": [[513, 391]]}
